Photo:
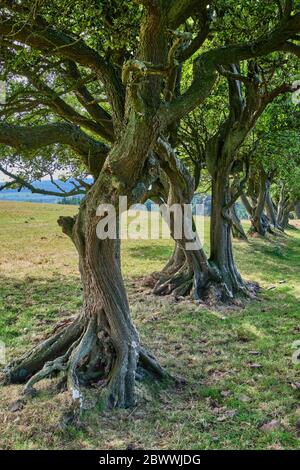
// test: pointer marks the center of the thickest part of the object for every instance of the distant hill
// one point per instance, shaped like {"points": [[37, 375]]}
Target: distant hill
{"points": [[27, 196], [201, 202]]}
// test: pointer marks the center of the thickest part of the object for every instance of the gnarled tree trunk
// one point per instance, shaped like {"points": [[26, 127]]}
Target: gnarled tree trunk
{"points": [[221, 251], [237, 229], [284, 208], [188, 270], [284, 215], [101, 347], [271, 210], [260, 223]]}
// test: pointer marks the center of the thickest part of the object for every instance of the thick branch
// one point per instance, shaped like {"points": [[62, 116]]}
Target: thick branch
{"points": [[206, 65], [32, 138], [63, 109], [240, 188], [87, 100], [54, 42], [195, 44], [25, 184], [174, 168], [280, 90], [180, 10], [234, 76]]}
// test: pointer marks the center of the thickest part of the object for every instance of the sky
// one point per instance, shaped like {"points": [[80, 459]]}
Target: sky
{"points": [[3, 177]]}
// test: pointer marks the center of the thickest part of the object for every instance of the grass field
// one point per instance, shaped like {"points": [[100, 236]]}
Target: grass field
{"points": [[241, 390]]}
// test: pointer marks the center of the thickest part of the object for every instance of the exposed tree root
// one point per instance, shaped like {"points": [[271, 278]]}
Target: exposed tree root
{"points": [[59, 364], [90, 365], [178, 281], [213, 286], [20, 370], [98, 354], [150, 365], [79, 352]]}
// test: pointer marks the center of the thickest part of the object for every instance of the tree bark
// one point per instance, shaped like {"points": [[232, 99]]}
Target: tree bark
{"points": [[195, 274], [237, 229], [283, 215], [260, 222], [176, 261], [247, 204], [221, 251], [188, 270], [270, 209], [284, 208], [100, 347]]}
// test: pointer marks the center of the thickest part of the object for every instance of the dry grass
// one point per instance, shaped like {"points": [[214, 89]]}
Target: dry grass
{"points": [[226, 399]]}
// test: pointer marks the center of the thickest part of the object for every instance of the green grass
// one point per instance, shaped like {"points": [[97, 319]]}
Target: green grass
{"points": [[225, 400]]}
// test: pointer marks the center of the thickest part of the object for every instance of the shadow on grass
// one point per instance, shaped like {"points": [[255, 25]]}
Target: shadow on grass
{"points": [[32, 305], [148, 252], [276, 258], [224, 396]]}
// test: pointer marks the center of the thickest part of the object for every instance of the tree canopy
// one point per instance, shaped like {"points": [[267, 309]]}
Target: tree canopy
{"points": [[137, 94]]}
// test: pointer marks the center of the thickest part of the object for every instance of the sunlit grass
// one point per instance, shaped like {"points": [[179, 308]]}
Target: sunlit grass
{"points": [[237, 361]]}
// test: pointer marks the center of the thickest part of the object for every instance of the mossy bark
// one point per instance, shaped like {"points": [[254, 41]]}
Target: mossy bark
{"points": [[221, 250], [100, 348]]}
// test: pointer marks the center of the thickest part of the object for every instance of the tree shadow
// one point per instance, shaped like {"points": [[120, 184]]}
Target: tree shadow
{"points": [[277, 259], [31, 306], [150, 251]]}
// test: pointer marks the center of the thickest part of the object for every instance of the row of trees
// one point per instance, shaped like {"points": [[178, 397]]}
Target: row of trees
{"points": [[151, 98], [266, 168]]}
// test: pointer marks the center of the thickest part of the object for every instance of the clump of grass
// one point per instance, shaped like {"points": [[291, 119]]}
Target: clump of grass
{"points": [[247, 332]]}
